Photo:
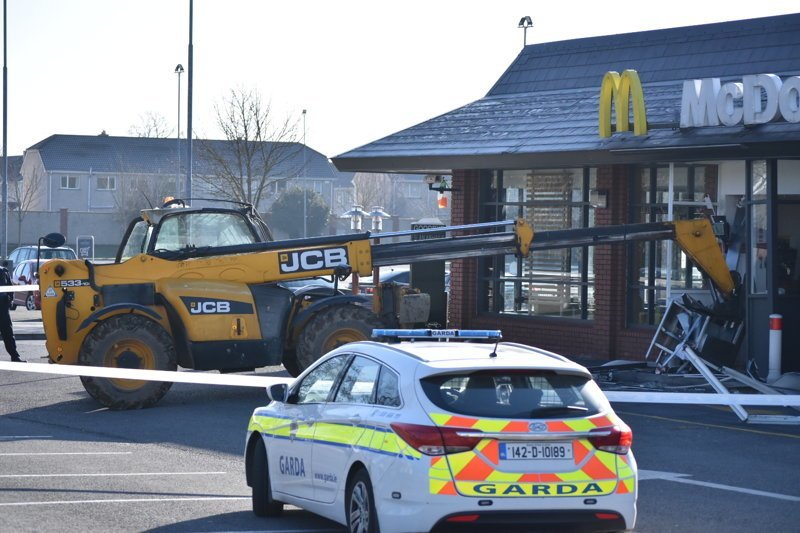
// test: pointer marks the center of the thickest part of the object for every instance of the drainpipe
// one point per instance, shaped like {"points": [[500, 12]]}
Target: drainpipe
{"points": [[89, 192]]}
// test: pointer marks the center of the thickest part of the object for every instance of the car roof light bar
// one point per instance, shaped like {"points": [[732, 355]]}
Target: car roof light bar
{"points": [[466, 334]]}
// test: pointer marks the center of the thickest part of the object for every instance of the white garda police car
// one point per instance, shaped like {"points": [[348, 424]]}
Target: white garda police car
{"points": [[426, 435]]}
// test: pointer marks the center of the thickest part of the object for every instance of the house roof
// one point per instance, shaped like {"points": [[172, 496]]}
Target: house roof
{"points": [[143, 155], [544, 109]]}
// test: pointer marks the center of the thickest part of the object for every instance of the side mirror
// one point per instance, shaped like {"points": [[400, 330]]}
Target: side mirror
{"points": [[278, 392], [53, 240], [22, 280]]}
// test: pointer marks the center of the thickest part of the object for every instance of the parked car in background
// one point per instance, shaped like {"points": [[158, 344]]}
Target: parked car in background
{"points": [[24, 253], [25, 274], [393, 274], [400, 275]]}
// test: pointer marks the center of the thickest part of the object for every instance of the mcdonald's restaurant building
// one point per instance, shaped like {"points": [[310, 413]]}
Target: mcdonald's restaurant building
{"points": [[701, 119]]}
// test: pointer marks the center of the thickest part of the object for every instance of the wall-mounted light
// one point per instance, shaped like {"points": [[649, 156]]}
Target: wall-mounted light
{"points": [[437, 183]]}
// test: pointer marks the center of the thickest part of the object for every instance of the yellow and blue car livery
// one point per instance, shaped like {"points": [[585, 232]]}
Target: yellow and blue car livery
{"points": [[429, 464]]}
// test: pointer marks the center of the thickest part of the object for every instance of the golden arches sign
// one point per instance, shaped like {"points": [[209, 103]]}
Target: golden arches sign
{"points": [[622, 91]]}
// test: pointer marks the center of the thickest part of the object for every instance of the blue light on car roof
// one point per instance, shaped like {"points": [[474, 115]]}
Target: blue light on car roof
{"points": [[437, 333]]}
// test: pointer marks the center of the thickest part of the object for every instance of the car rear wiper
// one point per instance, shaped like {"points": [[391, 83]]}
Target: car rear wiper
{"points": [[558, 408]]}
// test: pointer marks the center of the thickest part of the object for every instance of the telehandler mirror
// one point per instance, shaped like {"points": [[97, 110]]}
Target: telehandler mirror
{"points": [[53, 240]]}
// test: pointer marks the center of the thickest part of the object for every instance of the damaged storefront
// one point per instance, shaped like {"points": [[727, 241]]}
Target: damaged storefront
{"points": [[675, 124]]}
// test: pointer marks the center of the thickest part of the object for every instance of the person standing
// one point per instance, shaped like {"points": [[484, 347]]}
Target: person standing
{"points": [[6, 328]]}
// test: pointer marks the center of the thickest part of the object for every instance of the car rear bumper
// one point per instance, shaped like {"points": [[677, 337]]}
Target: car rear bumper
{"points": [[508, 521], [444, 513]]}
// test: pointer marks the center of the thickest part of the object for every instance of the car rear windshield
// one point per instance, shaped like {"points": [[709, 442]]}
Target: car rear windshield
{"points": [[57, 253], [515, 394]]}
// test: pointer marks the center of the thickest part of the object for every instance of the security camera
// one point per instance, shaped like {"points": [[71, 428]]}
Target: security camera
{"points": [[430, 179]]}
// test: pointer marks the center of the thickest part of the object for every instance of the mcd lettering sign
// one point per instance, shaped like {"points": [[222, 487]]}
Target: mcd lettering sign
{"points": [[623, 92], [758, 99]]}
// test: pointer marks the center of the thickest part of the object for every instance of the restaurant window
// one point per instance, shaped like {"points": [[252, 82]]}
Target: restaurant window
{"points": [[758, 229], [651, 263], [554, 283]]}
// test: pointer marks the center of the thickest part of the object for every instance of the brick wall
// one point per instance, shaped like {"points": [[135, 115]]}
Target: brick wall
{"points": [[606, 337]]}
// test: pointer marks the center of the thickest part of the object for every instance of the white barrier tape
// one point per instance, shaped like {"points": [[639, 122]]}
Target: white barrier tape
{"points": [[691, 398], [234, 380], [18, 288], [701, 398]]}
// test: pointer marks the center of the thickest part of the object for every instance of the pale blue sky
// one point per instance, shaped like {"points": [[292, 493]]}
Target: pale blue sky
{"points": [[363, 69]]}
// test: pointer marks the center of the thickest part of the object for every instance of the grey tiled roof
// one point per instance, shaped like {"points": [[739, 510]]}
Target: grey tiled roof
{"points": [[544, 108], [141, 155]]}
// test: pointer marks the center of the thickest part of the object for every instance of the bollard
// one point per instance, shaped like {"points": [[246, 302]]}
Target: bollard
{"points": [[775, 331]]}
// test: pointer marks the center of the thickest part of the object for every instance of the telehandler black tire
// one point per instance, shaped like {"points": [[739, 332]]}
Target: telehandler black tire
{"points": [[289, 362], [333, 327], [127, 341]]}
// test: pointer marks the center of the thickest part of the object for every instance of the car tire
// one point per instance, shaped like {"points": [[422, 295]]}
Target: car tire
{"points": [[331, 328], [360, 505], [30, 302], [127, 341], [263, 503]]}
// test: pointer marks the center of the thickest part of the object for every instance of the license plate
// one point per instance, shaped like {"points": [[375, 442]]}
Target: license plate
{"points": [[510, 451]]}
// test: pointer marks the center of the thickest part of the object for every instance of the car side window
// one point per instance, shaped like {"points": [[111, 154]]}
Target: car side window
{"points": [[358, 384], [388, 389], [317, 385]]}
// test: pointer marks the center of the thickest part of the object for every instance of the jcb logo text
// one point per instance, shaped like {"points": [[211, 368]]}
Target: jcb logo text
{"points": [[202, 308], [306, 260]]}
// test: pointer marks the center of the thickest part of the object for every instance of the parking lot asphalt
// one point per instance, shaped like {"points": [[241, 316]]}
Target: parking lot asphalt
{"points": [[27, 324], [67, 464]]}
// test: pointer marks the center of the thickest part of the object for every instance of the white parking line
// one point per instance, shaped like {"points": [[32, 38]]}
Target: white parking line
{"points": [[63, 453], [130, 474], [131, 500], [645, 475]]}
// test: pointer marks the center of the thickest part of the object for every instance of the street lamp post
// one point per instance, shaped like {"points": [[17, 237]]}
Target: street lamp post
{"points": [[305, 185], [356, 215], [178, 71], [377, 214]]}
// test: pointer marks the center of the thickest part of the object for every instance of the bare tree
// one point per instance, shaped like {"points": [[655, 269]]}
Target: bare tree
{"points": [[26, 193], [258, 151], [152, 125], [372, 189], [134, 193]]}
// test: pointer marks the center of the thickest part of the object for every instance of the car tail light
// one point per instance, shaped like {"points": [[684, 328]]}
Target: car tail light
{"points": [[432, 440], [607, 516], [464, 518], [616, 439]]}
